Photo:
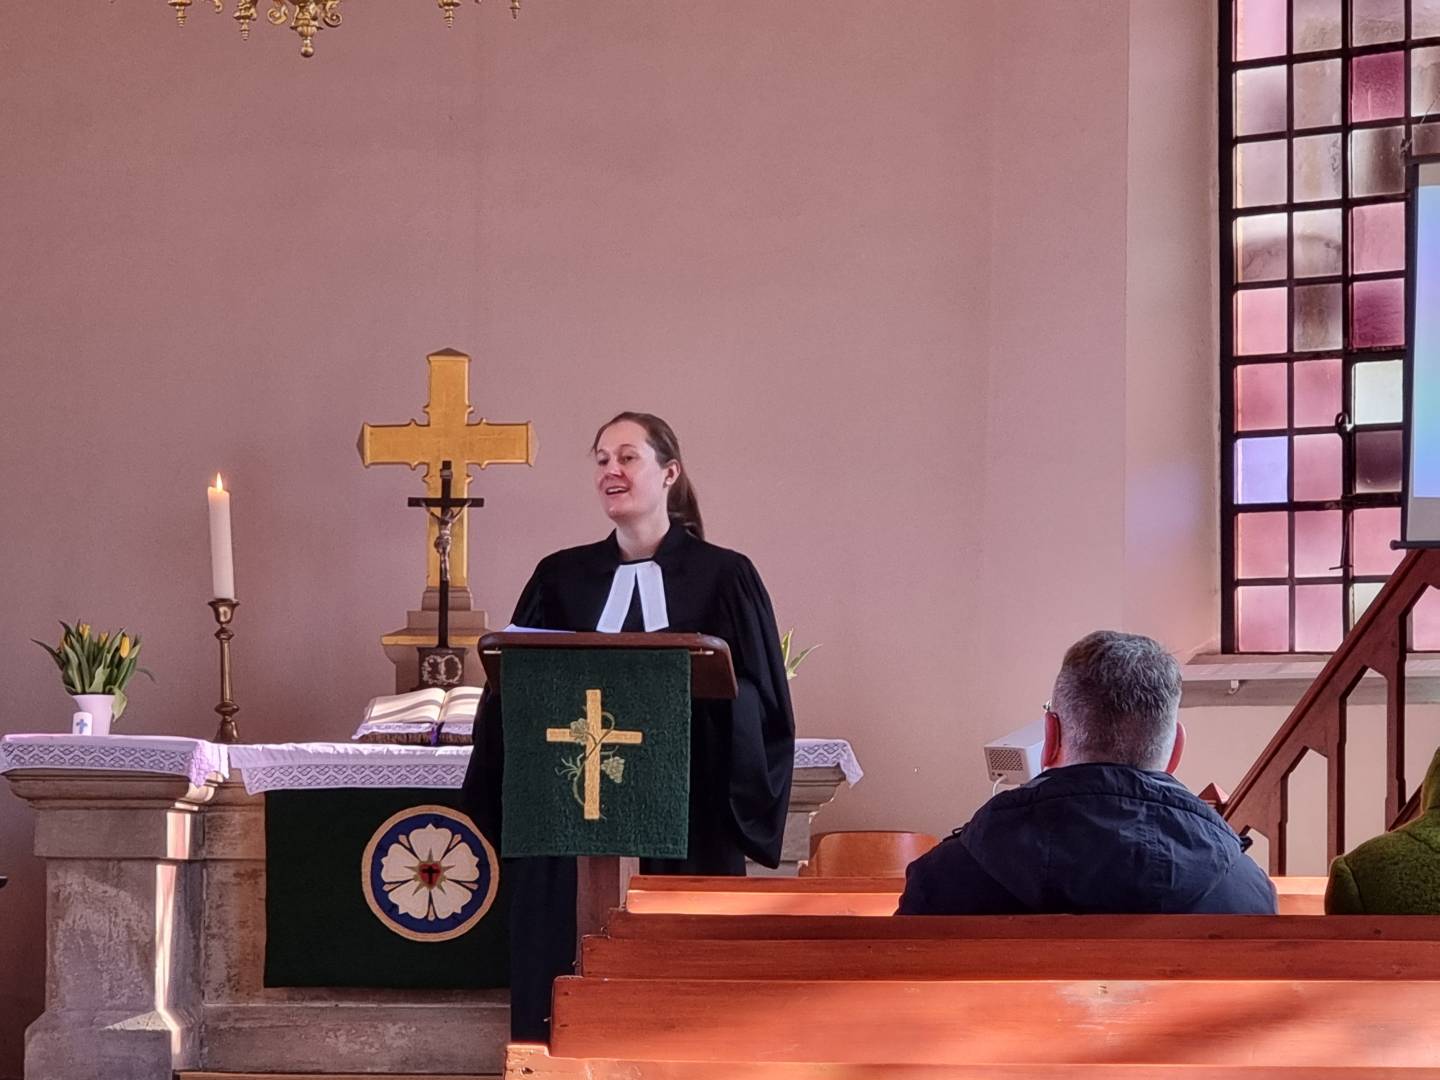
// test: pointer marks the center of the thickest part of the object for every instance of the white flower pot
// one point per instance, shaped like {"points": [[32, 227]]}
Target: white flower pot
{"points": [[100, 707]]}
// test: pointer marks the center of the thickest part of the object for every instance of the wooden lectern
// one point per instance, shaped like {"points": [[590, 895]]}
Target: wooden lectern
{"points": [[603, 879], [711, 673]]}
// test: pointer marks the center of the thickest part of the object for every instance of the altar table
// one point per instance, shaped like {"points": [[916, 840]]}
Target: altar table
{"points": [[155, 878]]}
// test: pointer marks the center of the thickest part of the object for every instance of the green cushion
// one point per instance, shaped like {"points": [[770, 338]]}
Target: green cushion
{"points": [[1397, 873]]}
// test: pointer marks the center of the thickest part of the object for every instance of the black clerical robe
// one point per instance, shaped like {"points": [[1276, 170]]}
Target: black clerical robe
{"points": [[742, 751]]}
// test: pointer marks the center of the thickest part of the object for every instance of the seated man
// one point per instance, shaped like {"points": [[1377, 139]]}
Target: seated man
{"points": [[1397, 873], [1106, 828]]}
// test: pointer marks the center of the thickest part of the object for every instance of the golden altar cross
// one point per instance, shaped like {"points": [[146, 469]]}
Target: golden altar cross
{"points": [[594, 735], [448, 434]]}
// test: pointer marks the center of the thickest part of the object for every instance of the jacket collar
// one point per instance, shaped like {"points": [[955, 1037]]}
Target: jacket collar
{"points": [[674, 541]]}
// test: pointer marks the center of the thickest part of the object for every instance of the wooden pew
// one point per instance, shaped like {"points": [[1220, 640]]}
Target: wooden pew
{"points": [[845, 896], [679, 989]]}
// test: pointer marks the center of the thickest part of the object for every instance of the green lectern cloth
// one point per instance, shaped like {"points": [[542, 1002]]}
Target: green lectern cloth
{"points": [[381, 887], [597, 752]]}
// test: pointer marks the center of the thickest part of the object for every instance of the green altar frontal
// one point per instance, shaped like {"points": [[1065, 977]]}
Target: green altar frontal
{"points": [[381, 887]]}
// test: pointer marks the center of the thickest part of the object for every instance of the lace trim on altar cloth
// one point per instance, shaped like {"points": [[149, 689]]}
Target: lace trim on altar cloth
{"points": [[825, 753], [194, 759], [315, 766], [370, 765]]}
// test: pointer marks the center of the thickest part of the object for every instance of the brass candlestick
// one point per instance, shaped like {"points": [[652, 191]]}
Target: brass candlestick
{"points": [[228, 732]]}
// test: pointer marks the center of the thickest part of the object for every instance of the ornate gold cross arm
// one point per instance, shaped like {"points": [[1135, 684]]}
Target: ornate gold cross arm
{"points": [[448, 435]]}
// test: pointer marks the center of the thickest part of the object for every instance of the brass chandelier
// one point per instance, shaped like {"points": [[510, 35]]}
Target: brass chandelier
{"points": [[305, 17]]}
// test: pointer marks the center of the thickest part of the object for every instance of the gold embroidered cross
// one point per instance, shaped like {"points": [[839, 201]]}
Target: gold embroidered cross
{"points": [[592, 736]]}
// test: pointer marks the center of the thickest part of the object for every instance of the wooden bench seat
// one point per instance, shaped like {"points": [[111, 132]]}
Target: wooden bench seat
{"points": [[845, 896]]}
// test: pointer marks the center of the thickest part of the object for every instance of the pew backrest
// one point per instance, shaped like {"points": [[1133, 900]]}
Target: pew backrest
{"points": [[630, 924], [1357, 1023], [845, 896], [1009, 958], [531, 1061]]}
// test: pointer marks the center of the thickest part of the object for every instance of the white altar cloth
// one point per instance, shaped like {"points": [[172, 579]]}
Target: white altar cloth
{"points": [[194, 759], [348, 765], [287, 766]]}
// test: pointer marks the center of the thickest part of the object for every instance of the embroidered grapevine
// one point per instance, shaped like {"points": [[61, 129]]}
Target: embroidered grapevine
{"points": [[612, 764]]}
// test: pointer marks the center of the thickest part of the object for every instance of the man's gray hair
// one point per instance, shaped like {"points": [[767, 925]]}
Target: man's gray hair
{"points": [[1118, 697]]}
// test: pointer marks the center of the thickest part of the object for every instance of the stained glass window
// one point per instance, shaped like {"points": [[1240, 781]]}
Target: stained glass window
{"points": [[1320, 100]]}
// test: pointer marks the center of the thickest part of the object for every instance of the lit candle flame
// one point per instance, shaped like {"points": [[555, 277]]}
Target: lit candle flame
{"points": [[219, 484]]}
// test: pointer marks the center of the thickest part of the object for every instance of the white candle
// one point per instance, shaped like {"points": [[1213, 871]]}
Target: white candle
{"points": [[222, 556]]}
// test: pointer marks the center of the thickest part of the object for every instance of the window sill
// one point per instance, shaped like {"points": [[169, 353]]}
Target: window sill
{"points": [[1213, 679]]}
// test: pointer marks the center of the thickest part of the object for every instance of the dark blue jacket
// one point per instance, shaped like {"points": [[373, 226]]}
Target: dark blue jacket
{"points": [[1090, 839]]}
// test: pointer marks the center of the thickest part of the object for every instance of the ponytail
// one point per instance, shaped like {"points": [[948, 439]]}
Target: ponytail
{"points": [[684, 507]]}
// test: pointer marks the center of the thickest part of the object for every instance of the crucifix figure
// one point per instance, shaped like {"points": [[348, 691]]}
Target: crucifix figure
{"points": [[592, 734], [441, 665], [448, 435]]}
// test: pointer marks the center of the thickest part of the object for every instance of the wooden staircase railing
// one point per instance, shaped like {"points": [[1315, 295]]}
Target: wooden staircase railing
{"points": [[1260, 802]]}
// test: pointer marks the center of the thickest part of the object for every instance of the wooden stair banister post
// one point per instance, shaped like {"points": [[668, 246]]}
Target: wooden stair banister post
{"points": [[1335, 779], [1394, 672]]}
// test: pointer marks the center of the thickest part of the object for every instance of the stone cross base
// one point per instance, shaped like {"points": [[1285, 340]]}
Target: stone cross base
{"points": [[466, 627]]}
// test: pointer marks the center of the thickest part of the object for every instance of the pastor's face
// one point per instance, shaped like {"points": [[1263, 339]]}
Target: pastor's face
{"points": [[630, 481]]}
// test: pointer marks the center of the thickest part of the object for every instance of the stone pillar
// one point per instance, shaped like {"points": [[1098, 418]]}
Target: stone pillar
{"points": [[811, 789], [124, 897]]}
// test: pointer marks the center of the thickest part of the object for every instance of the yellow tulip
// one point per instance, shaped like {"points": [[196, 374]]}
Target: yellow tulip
{"points": [[84, 629], [124, 646], [105, 637]]}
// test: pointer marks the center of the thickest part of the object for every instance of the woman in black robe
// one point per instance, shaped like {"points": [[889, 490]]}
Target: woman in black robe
{"points": [[742, 751]]}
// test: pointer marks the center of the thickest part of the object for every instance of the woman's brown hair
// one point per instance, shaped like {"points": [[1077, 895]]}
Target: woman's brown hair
{"points": [[682, 504]]}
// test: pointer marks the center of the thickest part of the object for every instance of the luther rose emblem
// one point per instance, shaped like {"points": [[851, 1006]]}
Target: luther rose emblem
{"points": [[428, 874]]}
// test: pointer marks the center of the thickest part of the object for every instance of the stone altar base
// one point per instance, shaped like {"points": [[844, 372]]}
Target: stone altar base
{"points": [[251, 1028], [156, 950], [123, 909], [156, 945]]}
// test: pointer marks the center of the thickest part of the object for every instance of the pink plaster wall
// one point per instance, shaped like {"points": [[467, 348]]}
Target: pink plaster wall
{"points": [[1052, 550], [1172, 568], [872, 262]]}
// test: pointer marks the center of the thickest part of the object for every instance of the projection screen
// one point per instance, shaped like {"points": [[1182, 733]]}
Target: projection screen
{"points": [[1422, 362]]}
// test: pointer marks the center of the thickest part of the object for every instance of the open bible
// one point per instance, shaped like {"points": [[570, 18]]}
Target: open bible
{"points": [[429, 717]]}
